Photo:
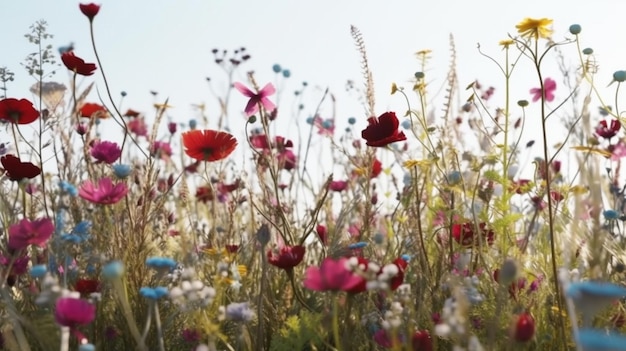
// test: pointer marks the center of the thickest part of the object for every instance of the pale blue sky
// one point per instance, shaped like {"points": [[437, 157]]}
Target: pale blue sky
{"points": [[164, 45]]}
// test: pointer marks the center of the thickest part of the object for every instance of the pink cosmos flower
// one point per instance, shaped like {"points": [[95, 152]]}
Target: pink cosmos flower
{"points": [[162, 149], [27, 232], [106, 151], [138, 126], [549, 86], [104, 193], [338, 185], [287, 159], [255, 99], [71, 312], [332, 275]]}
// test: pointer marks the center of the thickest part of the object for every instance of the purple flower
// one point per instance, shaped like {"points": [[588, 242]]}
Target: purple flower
{"points": [[27, 232], [106, 151], [71, 312], [104, 193]]}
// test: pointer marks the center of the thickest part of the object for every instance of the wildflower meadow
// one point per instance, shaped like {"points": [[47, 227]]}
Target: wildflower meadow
{"points": [[438, 226]]}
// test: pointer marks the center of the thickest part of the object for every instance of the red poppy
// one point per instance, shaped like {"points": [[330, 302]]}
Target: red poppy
{"points": [[208, 145], [523, 328], [93, 110], [204, 194], [17, 170], [89, 10], [322, 233], [232, 248], [383, 130], [399, 278], [18, 111], [77, 64], [87, 286], [377, 167], [131, 113], [606, 131], [286, 257], [463, 233]]}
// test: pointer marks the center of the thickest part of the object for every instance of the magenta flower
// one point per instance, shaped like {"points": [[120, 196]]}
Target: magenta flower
{"points": [[161, 149], [26, 232], [338, 185], [549, 86], [104, 193], [71, 312], [332, 275], [255, 99], [106, 151]]}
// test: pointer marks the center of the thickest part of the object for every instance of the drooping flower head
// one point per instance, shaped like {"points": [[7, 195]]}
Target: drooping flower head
{"points": [[103, 193], [383, 130], [27, 232], [535, 28], [286, 257], [93, 110], [257, 99], [90, 10], [17, 111], [208, 145], [106, 151], [77, 64], [17, 170], [549, 86]]}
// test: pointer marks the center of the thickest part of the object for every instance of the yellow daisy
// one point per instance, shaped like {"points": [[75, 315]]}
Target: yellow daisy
{"points": [[537, 28], [506, 43]]}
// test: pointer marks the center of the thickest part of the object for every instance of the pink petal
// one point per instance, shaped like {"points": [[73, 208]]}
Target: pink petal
{"points": [[549, 84], [251, 107], [243, 89], [269, 106], [267, 90]]}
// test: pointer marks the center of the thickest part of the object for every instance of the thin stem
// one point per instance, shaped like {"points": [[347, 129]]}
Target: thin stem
{"points": [[336, 335]]}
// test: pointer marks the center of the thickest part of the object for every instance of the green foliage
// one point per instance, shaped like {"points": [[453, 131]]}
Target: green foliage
{"points": [[302, 332]]}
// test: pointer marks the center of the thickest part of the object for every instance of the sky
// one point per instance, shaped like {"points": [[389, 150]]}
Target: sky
{"points": [[165, 46]]}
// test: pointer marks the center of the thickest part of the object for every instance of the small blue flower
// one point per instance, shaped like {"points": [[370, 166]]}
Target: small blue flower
{"points": [[193, 124], [590, 339], [82, 228], [238, 311], [587, 51], [575, 29], [351, 120], [121, 171], [276, 68], [113, 269], [419, 75], [38, 271], [610, 214], [161, 263], [356, 246], [68, 188], [454, 177], [286, 73], [123, 93], [310, 120], [406, 257], [379, 238], [153, 293], [406, 124], [619, 76], [327, 124]]}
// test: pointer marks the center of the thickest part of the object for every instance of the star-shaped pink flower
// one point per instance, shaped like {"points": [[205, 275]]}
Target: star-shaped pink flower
{"points": [[257, 98], [549, 86]]}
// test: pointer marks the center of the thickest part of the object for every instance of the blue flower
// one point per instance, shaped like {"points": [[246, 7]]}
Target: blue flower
{"points": [[68, 188], [610, 214], [121, 171], [356, 246], [87, 347], [587, 51], [153, 293], [276, 68], [406, 124], [575, 29], [598, 340], [113, 269], [237, 311], [310, 120], [193, 124], [351, 120], [161, 263], [38, 271], [406, 257], [454, 177], [286, 73]]}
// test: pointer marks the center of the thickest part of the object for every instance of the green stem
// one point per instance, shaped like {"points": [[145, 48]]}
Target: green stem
{"points": [[336, 336]]}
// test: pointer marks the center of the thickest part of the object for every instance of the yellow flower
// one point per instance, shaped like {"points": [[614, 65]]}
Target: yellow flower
{"points": [[164, 106], [416, 163], [506, 43], [423, 53], [537, 28], [394, 88]]}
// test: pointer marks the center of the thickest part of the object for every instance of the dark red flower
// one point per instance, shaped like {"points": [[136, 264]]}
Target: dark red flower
{"points": [[18, 111], [606, 131], [399, 278], [232, 248], [523, 327], [383, 130], [77, 64], [362, 286], [322, 233], [89, 10], [131, 113], [87, 286], [208, 145], [286, 257], [17, 170], [204, 194], [287, 160], [463, 233], [377, 167], [93, 110], [521, 186], [421, 341]]}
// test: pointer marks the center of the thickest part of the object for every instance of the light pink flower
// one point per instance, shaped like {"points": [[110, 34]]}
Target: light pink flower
{"points": [[619, 151], [71, 312], [106, 151], [27, 232], [332, 275], [104, 193], [259, 98], [549, 86]]}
